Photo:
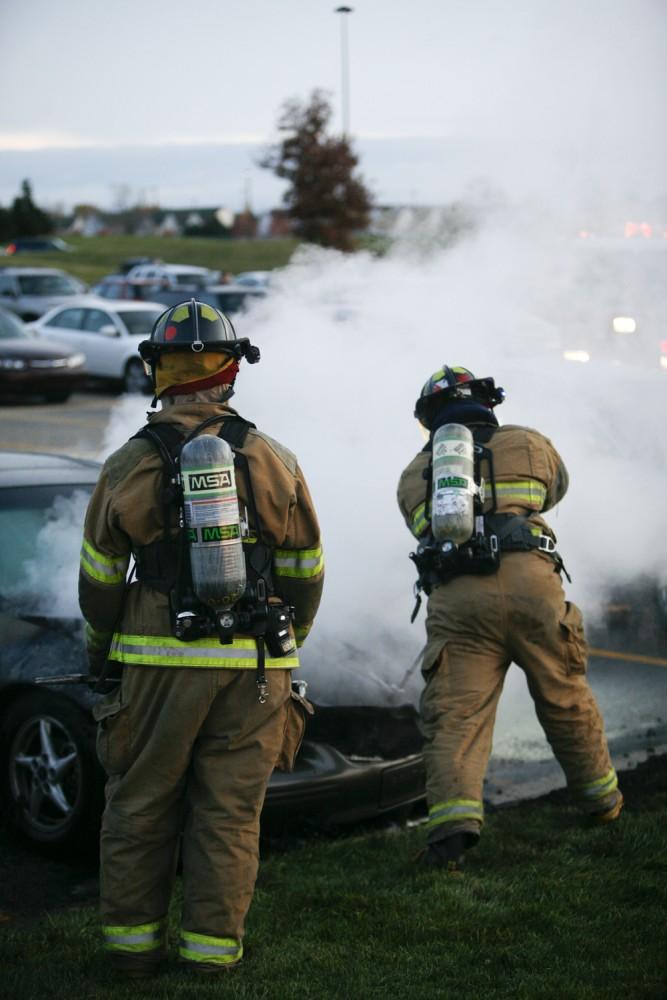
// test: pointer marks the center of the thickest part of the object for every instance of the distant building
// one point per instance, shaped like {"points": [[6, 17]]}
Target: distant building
{"points": [[275, 224], [169, 226], [245, 225], [145, 220]]}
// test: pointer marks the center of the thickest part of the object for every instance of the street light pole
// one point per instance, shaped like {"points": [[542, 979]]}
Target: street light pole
{"points": [[344, 69]]}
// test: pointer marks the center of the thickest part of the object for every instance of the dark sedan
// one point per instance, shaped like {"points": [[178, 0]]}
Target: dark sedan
{"points": [[355, 763], [31, 365]]}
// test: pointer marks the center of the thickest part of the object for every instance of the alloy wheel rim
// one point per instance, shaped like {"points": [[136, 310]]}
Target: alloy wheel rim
{"points": [[45, 774]]}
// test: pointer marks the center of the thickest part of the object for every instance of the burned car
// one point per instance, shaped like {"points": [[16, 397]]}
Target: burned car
{"points": [[355, 762]]}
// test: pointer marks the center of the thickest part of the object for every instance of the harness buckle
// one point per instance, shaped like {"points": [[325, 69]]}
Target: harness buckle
{"points": [[546, 544]]}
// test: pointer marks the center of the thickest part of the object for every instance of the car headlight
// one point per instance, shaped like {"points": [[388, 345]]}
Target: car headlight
{"points": [[582, 356], [624, 324], [12, 363], [76, 360]]}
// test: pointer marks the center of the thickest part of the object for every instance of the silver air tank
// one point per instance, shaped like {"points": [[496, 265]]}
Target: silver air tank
{"points": [[452, 501], [212, 521]]}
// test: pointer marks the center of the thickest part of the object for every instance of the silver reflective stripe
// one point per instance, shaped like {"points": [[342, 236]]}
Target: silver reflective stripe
{"points": [[209, 949], [419, 522], [244, 654], [190, 651], [599, 789], [102, 568], [137, 939], [453, 809], [292, 562], [132, 938]]}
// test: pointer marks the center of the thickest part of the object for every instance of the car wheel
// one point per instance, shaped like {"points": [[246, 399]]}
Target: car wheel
{"points": [[57, 397], [134, 379], [51, 775]]}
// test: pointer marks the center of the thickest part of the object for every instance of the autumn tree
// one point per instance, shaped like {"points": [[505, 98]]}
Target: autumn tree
{"points": [[327, 201]]}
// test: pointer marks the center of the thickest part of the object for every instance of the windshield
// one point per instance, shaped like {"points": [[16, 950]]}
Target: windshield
{"points": [[195, 278], [47, 284], [40, 539], [231, 302], [139, 321], [11, 327]]}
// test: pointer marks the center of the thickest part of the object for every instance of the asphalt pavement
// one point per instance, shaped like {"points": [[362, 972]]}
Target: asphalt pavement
{"points": [[76, 427]]}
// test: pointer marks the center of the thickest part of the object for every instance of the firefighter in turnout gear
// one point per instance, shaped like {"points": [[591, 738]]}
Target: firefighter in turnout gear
{"points": [[205, 707], [494, 599]]}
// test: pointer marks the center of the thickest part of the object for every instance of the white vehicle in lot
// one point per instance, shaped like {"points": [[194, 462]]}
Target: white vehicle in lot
{"points": [[108, 333], [174, 275], [254, 279], [31, 291]]}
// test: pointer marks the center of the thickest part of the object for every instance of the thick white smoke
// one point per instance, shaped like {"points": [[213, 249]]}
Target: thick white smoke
{"points": [[50, 574], [347, 342]]}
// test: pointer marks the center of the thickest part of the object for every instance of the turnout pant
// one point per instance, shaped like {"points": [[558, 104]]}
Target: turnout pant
{"points": [[477, 626], [186, 751]]}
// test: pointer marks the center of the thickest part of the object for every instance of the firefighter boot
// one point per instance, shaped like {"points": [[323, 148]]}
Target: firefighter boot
{"points": [[447, 854], [610, 814]]}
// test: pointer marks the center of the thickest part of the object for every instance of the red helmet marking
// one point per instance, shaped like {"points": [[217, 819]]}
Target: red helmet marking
{"points": [[170, 332]]}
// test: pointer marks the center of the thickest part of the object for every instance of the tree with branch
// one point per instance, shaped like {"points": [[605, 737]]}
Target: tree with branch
{"points": [[328, 202]]}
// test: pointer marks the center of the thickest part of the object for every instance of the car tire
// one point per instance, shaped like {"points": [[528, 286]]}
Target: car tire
{"points": [[134, 378], [51, 778], [57, 397]]}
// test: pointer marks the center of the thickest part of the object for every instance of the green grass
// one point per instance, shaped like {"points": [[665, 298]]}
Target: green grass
{"points": [[95, 256], [548, 909]]}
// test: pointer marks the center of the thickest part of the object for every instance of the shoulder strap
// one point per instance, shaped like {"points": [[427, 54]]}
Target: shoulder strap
{"points": [[166, 438], [234, 431], [168, 441]]}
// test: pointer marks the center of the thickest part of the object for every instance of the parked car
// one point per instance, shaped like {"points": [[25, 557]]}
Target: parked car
{"points": [[32, 365], [173, 275], [255, 279], [120, 287], [31, 291], [37, 244], [231, 299], [126, 265], [355, 763], [108, 334]]}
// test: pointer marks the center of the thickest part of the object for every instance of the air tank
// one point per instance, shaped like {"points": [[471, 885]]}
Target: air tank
{"points": [[212, 521], [452, 501]]}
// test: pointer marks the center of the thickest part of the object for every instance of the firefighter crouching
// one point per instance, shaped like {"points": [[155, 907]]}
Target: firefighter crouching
{"points": [[488, 561], [205, 708]]}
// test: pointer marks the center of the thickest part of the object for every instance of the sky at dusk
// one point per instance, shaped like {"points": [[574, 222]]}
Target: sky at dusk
{"points": [[174, 103]]}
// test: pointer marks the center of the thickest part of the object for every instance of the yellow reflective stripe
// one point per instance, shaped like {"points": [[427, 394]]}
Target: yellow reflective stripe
{"points": [[202, 948], [139, 938], [301, 633], [300, 564], [531, 492], [166, 651], [418, 520], [181, 313], [208, 312], [101, 568], [95, 638], [455, 809], [601, 787]]}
